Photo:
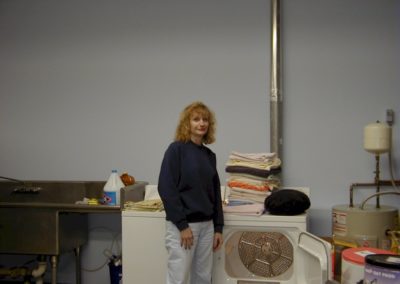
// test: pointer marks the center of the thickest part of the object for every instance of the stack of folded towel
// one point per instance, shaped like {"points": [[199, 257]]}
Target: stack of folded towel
{"points": [[145, 205], [252, 176]]}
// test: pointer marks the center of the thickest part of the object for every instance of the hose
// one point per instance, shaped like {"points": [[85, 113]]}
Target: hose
{"points": [[38, 272], [377, 194], [106, 251]]}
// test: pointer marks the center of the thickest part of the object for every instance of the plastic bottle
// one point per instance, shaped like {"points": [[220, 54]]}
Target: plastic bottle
{"points": [[112, 188]]}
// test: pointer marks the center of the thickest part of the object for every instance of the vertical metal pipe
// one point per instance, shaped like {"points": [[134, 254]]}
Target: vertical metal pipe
{"points": [[276, 94], [377, 179], [53, 261], [78, 268]]}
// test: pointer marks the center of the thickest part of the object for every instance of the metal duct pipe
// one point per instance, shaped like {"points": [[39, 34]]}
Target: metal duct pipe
{"points": [[276, 94]]}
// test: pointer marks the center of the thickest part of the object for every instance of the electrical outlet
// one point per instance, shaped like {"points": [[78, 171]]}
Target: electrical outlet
{"points": [[389, 117]]}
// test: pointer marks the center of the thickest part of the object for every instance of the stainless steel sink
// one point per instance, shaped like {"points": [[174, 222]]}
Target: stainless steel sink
{"points": [[47, 221], [42, 231], [43, 218]]}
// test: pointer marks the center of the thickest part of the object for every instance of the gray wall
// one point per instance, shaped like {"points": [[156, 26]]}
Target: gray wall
{"points": [[88, 86]]}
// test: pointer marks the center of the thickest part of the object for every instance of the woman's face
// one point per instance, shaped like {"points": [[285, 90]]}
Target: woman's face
{"points": [[198, 125]]}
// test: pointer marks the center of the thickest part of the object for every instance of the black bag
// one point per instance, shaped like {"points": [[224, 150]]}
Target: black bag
{"points": [[287, 202]]}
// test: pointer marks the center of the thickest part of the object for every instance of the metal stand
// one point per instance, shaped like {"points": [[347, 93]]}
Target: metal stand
{"points": [[78, 264], [53, 261]]}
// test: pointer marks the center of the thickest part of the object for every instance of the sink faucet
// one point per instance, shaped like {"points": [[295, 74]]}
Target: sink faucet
{"points": [[24, 188], [13, 179]]}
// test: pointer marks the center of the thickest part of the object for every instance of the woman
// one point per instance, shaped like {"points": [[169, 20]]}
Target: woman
{"points": [[189, 187]]}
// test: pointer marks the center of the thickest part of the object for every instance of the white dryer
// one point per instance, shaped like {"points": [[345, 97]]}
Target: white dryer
{"points": [[271, 249]]}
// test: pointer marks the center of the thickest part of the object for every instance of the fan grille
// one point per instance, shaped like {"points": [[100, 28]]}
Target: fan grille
{"points": [[266, 254]]}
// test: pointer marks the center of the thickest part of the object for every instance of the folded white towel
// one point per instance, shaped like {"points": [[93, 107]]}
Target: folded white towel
{"points": [[264, 165], [259, 157], [255, 209]]}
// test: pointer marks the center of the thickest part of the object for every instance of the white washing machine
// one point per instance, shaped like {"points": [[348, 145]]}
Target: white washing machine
{"points": [[265, 249], [144, 256]]}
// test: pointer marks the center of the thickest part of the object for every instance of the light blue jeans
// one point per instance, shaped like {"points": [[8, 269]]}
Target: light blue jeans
{"points": [[194, 263]]}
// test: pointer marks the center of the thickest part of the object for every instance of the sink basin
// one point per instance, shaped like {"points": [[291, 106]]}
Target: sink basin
{"points": [[47, 220], [44, 219], [41, 231], [31, 221]]}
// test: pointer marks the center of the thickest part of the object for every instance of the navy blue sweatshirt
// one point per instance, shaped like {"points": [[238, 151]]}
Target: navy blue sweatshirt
{"points": [[189, 185]]}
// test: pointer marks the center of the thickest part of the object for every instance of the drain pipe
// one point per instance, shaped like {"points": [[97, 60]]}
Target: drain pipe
{"points": [[38, 272], [276, 94]]}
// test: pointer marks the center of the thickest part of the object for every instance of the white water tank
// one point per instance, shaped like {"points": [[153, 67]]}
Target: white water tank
{"points": [[377, 138]]}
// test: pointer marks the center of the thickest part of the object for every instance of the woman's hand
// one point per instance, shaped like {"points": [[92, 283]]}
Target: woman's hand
{"points": [[186, 238], [218, 241]]}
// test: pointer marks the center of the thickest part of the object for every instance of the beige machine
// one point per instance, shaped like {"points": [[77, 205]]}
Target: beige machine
{"points": [[363, 227], [367, 225]]}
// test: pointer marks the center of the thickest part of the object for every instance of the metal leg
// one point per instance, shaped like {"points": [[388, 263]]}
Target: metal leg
{"points": [[53, 261], [78, 264]]}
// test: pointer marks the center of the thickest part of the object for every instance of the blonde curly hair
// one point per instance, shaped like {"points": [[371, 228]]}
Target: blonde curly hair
{"points": [[182, 132]]}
